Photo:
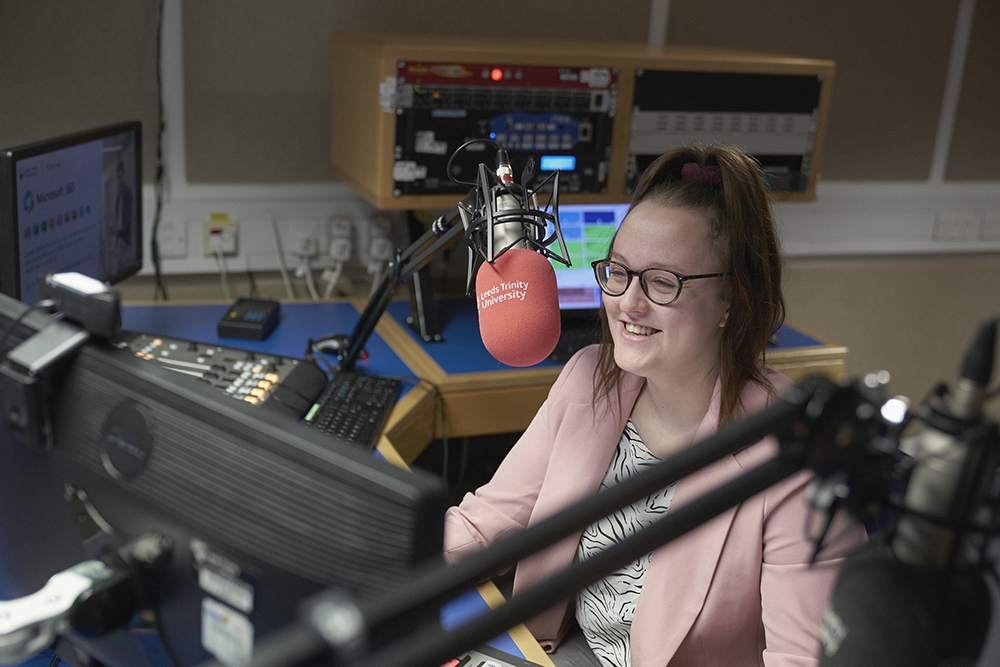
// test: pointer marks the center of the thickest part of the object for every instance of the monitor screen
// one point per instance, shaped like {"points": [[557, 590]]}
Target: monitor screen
{"points": [[587, 230], [72, 203], [261, 510]]}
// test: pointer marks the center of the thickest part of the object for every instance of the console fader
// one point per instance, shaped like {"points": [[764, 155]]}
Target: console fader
{"points": [[245, 375]]}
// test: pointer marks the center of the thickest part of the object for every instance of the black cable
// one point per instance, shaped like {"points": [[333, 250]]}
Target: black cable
{"points": [[253, 284], [463, 470], [154, 242], [439, 408], [459, 150]]}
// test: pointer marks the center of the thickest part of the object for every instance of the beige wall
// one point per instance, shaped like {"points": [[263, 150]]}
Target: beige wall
{"points": [[912, 316], [257, 73]]}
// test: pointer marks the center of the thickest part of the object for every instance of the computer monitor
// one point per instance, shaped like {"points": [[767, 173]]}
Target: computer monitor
{"points": [[261, 510], [587, 230], [72, 203]]}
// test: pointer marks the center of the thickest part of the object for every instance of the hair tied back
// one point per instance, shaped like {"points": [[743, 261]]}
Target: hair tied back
{"points": [[692, 171]]}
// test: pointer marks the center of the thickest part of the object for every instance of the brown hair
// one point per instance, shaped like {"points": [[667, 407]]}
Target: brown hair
{"points": [[731, 192]]}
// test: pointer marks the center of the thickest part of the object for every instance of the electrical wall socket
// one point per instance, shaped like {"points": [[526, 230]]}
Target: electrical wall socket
{"points": [[172, 238], [374, 242], [220, 235], [309, 238]]}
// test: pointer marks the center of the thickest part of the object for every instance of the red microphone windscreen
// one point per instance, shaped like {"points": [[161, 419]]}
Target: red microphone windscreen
{"points": [[518, 307]]}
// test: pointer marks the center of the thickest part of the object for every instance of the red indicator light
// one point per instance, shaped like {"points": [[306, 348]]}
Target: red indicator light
{"points": [[496, 74]]}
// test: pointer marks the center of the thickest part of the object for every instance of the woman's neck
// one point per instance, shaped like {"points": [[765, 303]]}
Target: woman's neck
{"points": [[668, 414]]}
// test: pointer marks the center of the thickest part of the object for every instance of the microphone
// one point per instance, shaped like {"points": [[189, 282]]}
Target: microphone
{"points": [[911, 599], [518, 307], [516, 294], [510, 234], [942, 472]]}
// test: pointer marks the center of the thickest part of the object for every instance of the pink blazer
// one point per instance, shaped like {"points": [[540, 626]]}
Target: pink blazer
{"points": [[737, 590]]}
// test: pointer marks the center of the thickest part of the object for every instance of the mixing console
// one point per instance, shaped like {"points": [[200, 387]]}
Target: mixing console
{"points": [[351, 406], [244, 375]]}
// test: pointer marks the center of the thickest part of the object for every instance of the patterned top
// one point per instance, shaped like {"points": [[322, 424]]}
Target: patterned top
{"points": [[604, 610]]}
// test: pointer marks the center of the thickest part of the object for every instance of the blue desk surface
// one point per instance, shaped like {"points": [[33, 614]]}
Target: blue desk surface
{"points": [[299, 322], [463, 351]]}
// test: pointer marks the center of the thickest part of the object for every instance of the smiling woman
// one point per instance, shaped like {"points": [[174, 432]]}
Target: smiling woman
{"points": [[675, 347], [724, 188], [691, 293]]}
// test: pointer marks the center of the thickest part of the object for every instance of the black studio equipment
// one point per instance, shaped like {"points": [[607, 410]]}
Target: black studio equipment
{"points": [[599, 112], [252, 319], [150, 520], [918, 595]]}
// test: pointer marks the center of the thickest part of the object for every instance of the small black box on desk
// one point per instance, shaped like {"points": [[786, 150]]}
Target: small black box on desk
{"points": [[252, 319]]}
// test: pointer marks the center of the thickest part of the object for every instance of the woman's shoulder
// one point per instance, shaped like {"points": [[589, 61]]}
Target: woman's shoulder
{"points": [[758, 395], [584, 360], [577, 375], [755, 397]]}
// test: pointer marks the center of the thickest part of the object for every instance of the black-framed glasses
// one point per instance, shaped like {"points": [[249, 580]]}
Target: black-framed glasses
{"points": [[660, 286]]}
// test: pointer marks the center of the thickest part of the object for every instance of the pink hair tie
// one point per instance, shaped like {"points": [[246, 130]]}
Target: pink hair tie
{"points": [[692, 171]]}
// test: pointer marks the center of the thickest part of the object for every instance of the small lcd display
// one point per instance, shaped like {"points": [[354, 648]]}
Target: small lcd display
{"points": [[560, 162]]}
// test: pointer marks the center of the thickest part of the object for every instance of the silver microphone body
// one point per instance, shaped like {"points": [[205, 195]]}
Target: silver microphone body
{"points": [[507, 234], [932, 533], [924, 536]]}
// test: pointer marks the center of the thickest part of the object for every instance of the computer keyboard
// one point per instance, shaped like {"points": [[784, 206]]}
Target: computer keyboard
{"points": [[354, 406]]}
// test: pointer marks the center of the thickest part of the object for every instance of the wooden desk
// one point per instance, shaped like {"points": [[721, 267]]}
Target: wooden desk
{"points": [[506, 399], [490, 597]]}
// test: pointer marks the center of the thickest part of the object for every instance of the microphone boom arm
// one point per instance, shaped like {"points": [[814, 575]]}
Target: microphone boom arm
{"points": [[443, 233]]}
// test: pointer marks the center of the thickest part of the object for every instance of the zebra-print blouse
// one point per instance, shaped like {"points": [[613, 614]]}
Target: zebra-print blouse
{"points": [[604, 610]]}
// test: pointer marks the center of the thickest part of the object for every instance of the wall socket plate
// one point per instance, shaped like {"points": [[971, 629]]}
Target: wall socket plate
{"points": [[220, 231], [172, 237]]}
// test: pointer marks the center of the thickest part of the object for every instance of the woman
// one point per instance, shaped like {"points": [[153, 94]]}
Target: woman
{"points": [[692, 293]]}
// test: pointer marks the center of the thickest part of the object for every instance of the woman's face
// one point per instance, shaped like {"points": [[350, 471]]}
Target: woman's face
{"points": [[656, 341]]}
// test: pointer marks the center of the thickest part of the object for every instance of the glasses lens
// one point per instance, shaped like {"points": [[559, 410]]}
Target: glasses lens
{"points": [[661, 286], [612, 277]]}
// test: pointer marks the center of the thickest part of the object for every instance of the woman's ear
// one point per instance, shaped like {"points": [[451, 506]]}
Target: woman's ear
{"points": [[725, 317]]}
